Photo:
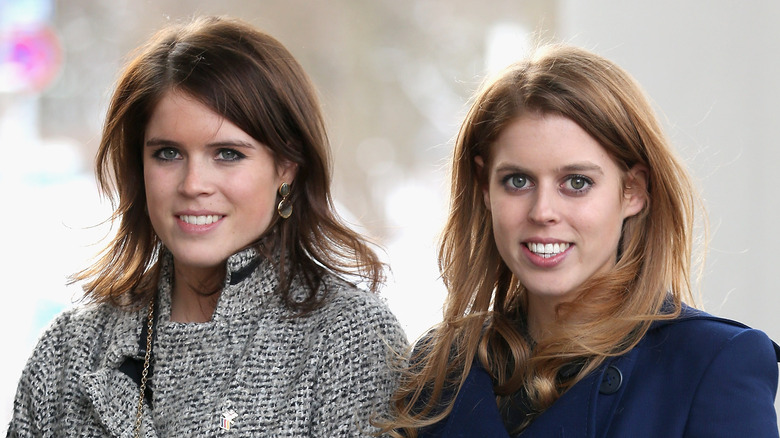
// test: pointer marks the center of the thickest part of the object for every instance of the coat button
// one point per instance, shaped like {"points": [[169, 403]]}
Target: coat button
{"points": [[612, 380]]}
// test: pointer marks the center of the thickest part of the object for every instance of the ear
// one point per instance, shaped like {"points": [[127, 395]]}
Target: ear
{"points": [[484, 185], [287, 171], [635, 190]]}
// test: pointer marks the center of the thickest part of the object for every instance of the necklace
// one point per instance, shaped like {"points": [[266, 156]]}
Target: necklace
{"points": [[145, 372]]}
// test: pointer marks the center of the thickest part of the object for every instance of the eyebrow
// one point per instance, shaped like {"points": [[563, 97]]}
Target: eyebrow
{"points": [[573, 167], [157, 142], [583, 167]]}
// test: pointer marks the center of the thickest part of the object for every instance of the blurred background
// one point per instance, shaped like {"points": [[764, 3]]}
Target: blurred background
{"points": [[395, 77]]}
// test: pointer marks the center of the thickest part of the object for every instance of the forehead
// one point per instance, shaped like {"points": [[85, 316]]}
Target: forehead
{"points": [[539, 140], [180, 114]]}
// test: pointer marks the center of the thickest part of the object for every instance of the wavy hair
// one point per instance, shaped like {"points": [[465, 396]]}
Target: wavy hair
{"points": [[484, 314], [252, 80]]}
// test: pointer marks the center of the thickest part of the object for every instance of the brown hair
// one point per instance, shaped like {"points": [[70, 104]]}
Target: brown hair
{"points": [[252, 80], [484, 314]]}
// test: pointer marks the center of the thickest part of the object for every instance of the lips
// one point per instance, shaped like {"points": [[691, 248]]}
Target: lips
{"points": [[200, 219], [547, 250]]}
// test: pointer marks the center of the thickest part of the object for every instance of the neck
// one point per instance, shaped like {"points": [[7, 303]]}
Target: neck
{"points": [[541, 318], [194, 299], [193, 308]]}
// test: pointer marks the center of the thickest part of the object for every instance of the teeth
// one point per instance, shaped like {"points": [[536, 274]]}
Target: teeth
{"points": [[547, 250], [200, 220]]}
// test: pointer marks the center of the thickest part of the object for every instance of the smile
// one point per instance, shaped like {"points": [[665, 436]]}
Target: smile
{"points": [[200, 220], [547, 250]]}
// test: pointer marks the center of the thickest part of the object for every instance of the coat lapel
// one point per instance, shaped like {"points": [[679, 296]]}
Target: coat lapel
{"points": [[114, 399], [585, 410], [589, 407], [114, 395], [571, 415]]}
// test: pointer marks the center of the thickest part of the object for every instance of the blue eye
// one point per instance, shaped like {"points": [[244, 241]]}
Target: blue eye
{"points": [[166, 154], [578, 183], [229, 155], [516, 181]]}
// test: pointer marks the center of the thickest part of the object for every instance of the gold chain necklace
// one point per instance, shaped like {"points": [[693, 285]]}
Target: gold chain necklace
{"points": [[144, 374]]}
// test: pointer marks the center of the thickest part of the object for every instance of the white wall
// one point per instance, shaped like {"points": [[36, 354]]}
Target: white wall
{"points": [[713, 70]]}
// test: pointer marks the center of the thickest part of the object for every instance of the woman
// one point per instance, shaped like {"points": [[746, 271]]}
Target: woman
{"points": [[222, 303], [567, 259]]}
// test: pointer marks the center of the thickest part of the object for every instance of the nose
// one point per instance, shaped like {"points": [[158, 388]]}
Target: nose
{"points": [[195, 179], [544, 206]]}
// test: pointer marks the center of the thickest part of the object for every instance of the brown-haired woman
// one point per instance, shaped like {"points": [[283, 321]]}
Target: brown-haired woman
{"points": [[567, 258], [223, 303]]}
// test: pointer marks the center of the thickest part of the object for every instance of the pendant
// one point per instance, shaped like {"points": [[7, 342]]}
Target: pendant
{"points": [[226, 422]]}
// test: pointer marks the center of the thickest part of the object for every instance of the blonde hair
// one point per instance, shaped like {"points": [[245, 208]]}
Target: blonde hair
{"points": [[484, 314]]}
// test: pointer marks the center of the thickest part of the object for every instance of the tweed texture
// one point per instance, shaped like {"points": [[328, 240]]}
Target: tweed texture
{"points": [[320, 375]]}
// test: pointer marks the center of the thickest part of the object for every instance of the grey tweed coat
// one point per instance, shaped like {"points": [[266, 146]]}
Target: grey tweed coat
{"points": [[269, 373]]}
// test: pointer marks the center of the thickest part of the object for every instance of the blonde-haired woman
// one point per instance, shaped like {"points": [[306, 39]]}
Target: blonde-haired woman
{"points": [[567, 256]]}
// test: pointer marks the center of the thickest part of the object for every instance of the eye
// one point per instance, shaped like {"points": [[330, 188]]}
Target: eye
{"points": [[516, 182], [229, 155], [578, 183], [166, 154]]}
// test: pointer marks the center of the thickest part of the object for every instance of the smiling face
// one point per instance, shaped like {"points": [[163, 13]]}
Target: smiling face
{"points": [[210, 187], [557, 204]]}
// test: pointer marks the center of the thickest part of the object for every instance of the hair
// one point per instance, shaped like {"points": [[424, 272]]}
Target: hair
{"points": [[252, 80], [484, 314]]}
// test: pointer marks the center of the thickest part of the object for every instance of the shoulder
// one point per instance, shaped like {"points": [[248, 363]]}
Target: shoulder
{"points": [[698, 350], [349, 304], [356, 316], [70, 343], [78, 332], [699, 332], [720, 372], [83, 323]]}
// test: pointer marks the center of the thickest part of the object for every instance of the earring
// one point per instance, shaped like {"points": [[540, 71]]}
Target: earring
{"points": [[284, 208]]}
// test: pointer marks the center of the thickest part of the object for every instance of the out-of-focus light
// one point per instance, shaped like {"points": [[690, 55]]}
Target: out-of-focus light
{"points": [[505, 43], [30, 58], [23, 12]]}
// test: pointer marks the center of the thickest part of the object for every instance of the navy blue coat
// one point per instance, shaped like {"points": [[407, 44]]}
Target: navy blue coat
{"points": [[695, 376]]}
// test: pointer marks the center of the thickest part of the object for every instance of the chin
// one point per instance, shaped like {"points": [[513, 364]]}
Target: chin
{"points": [[543, 290], [199, 262]]}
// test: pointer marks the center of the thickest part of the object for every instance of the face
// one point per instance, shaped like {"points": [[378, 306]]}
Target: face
{"points": [[557, 204], [210, 187]]}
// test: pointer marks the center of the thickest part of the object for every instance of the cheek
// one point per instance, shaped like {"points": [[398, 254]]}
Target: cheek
{"points": [[604, 224], [152, 189], [156, 179], [258, 197], [501, 223], [263, 208], [506, 230], [158, 188], [157, 203], [507, 209]]}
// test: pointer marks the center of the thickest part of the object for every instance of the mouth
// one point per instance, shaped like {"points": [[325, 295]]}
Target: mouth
{"points": [[200, 220], [547, 250]]}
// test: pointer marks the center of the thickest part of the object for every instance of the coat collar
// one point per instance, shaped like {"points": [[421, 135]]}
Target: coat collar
{"points": [[575, 413], [114, 395], [115, 403], [250, 280], [689, 313], [596, 396]]}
